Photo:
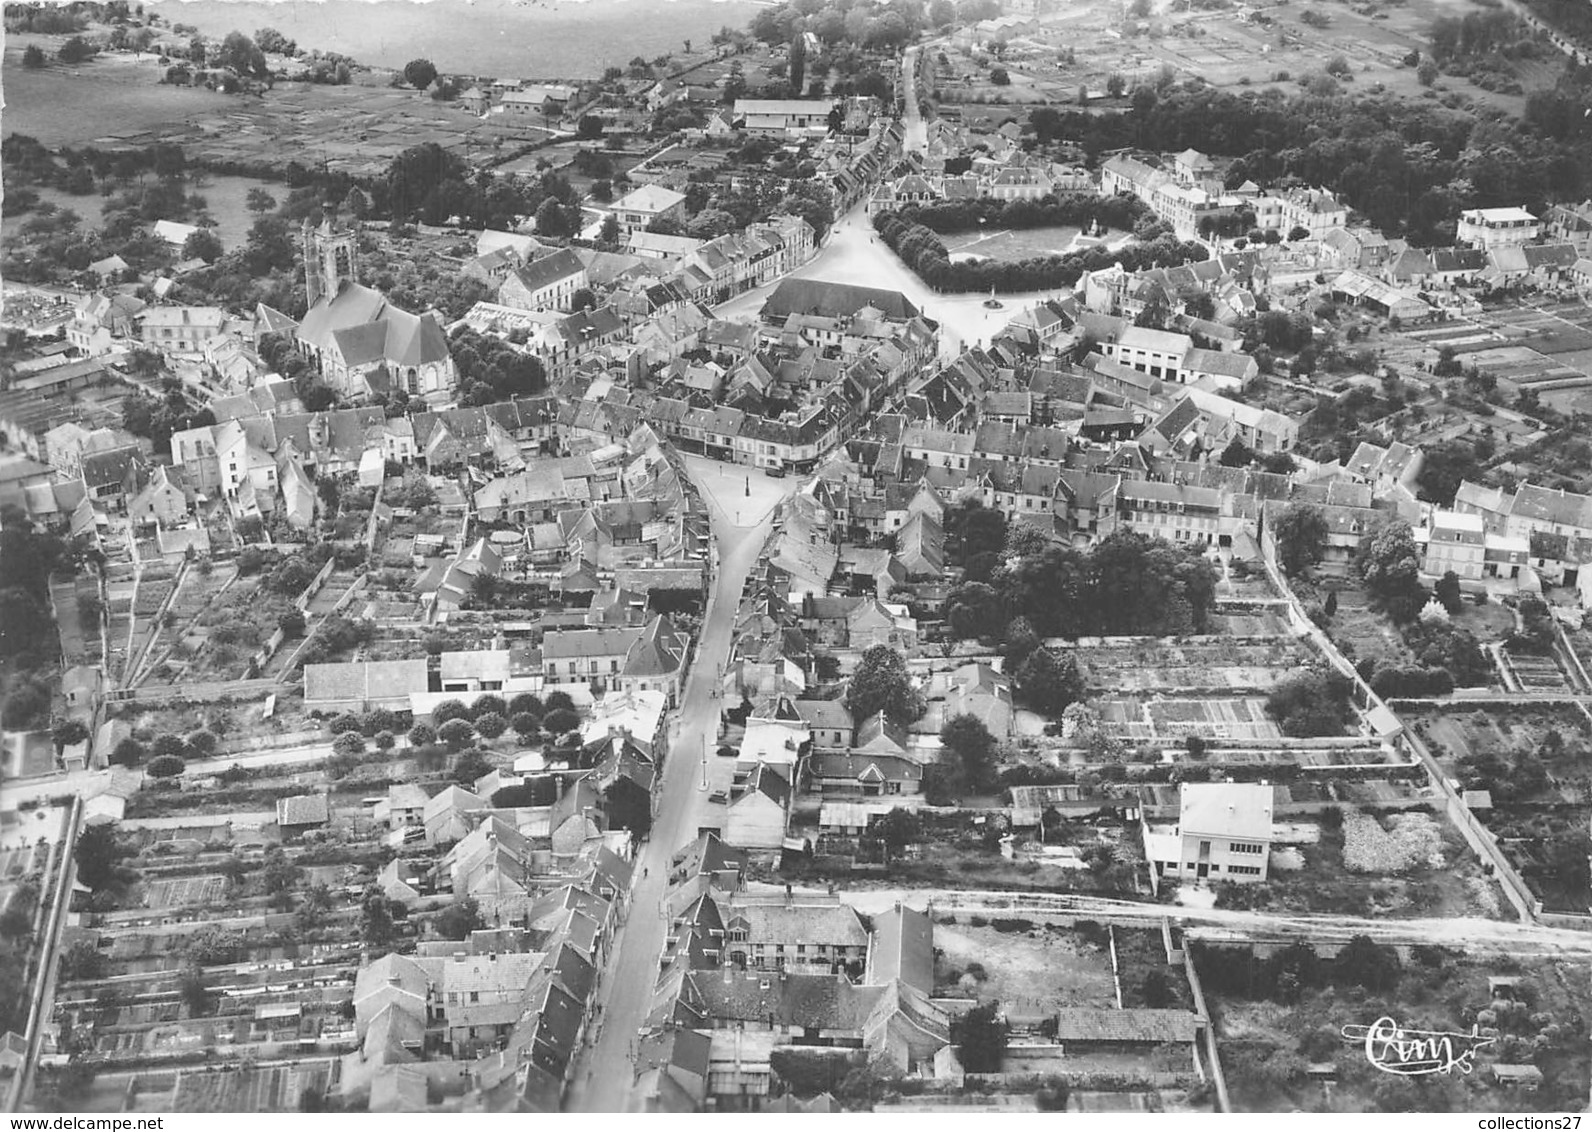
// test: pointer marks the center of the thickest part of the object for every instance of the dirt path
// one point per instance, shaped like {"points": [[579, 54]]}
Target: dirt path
{"points": [[1507, 936]]}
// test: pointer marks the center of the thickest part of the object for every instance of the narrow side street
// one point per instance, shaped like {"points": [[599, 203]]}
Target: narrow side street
{"points": [[605, 1071]]}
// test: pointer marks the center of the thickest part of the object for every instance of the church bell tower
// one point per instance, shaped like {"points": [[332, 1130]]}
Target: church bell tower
{"points": [[329, 260]]}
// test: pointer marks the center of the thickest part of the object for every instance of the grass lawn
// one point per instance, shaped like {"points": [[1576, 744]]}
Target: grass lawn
{"points": [[1488, 623], [1011, 245]]}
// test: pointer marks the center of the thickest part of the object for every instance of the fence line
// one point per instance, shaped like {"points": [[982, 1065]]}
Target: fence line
{"points": [[1209, 1029], [1475, 835]]}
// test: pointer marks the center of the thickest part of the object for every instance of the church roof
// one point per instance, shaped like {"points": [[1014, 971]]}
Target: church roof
{"points": [[364, 327]]}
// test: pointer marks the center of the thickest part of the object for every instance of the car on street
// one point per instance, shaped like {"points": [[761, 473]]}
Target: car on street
{"points": [[719, 796]]}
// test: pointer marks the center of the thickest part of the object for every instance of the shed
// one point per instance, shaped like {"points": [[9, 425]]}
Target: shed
{"points": [[301, 812], [1527, 1077], [1384, 724]]}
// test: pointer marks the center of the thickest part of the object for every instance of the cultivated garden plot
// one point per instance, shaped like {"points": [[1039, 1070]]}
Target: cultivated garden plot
{"points": [[1174, 720], [1536, 673], [1534, 764], [180, 892], [270, 1088], [1536, 754], [1192, 665], [220, 641]]}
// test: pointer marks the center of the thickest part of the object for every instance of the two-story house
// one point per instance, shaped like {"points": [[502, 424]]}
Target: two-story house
{"points": [[1223, 832]]}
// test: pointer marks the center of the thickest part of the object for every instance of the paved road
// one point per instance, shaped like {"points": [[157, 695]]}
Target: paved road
{"points": [[604, 1073], [917, 131]]}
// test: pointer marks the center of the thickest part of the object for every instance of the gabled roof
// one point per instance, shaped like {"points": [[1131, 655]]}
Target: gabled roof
{"points": [[768, 782], [815, 296], [549, 269], [902, 948], [649, 198], [832, 924]]}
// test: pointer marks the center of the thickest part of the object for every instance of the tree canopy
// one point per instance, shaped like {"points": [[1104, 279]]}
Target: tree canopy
{"points": [[882, 683], [1126, 585], [98, 854], [420, 73], [1390, 563], [1300, 531], [981, 1035]]}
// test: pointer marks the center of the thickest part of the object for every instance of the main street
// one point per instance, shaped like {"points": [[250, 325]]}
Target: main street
{"points": [[742, 503], [916, 138]]}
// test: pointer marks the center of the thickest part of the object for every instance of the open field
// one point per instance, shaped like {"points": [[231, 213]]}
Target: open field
{"points": [[1031, 972], [1244, 47], [356, 129], [67, 106]]}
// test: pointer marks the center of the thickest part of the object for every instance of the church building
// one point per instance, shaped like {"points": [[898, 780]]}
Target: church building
{"points": [[359, 342]]}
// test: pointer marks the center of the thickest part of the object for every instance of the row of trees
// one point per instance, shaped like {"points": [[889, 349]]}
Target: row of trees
{"points": [[882, 27], [162, 749], [456, 724], [1078, 210], [926, 254]]}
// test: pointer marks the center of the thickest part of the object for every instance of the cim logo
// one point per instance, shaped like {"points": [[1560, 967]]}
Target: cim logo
{"points": [[1392, 1048]]}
